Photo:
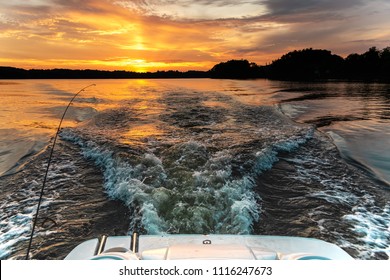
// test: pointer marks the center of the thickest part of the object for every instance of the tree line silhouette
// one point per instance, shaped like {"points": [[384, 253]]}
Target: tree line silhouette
{"points": [[306, 64], [312, 64], [18, 73]]}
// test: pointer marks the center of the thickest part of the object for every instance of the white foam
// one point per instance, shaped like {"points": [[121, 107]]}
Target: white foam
{"points": [[372, 225], [267, 157], [126, 182], [16, 222], [369, 223], [335, 196], [190, 190]]}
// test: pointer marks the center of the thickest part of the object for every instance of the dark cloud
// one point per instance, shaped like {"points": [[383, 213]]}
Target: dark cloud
{"points": [[288, 7], [86, 6], [296, 11]]}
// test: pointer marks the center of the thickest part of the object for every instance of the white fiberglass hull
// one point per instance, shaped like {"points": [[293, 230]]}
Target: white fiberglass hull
{"points": [[207, 247]]}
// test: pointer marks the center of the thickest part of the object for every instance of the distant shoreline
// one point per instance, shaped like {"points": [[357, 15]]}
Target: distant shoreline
{"points": [[303, 65], [12, 73], [19, 73]]}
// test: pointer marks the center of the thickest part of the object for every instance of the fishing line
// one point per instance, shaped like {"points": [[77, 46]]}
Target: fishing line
{"points": [[47, 170]]}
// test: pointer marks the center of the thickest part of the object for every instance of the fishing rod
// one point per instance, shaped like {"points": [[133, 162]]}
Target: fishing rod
{"points": [[47, 170]]}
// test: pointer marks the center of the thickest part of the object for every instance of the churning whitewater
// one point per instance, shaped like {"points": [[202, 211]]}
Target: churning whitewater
{"points": [[195, 170]]}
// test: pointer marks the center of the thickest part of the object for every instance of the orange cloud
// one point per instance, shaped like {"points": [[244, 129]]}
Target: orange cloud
{"points": [[149, 35]]}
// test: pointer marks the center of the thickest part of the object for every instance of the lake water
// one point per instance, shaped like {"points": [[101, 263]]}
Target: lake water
{"points": [[195, 156]]}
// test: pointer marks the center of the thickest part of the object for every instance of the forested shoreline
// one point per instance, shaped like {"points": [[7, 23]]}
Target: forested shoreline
{"points": [[306, 64]]}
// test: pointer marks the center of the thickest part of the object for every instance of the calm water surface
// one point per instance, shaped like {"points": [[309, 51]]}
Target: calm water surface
{"points": [[196, 156]]}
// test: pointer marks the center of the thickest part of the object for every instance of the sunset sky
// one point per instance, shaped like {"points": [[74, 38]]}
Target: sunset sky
{"points": [[150, 35]]}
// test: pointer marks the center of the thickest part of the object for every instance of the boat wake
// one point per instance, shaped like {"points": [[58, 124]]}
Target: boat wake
{"points": [[179, 160], [197, 171]]}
